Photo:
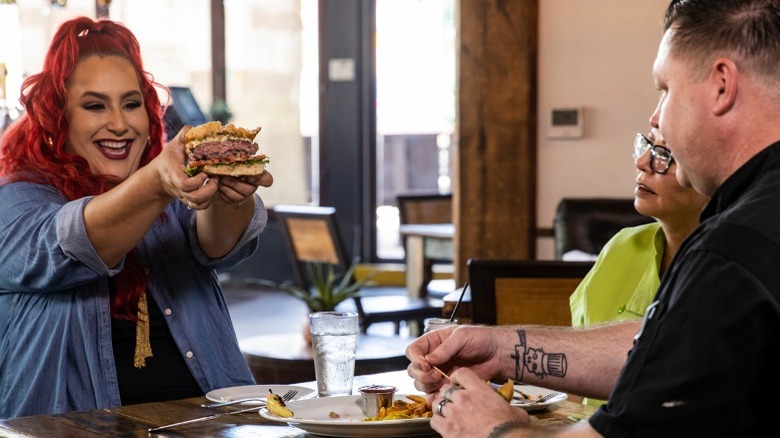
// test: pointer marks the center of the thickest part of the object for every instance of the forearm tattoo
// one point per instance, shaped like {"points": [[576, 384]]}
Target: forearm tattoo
{"points": [[536, 361], [503, 429]]}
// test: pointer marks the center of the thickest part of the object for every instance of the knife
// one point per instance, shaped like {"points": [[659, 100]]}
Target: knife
{"points": [[206, 418]]}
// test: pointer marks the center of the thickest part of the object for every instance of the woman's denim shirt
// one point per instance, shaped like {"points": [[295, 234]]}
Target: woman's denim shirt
{"points": [[55, 318]]}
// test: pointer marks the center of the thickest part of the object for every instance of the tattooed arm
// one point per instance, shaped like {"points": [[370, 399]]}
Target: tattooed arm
{"points": [[583, 361]]}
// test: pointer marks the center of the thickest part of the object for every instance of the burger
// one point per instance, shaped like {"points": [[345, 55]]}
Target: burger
{"points": [[223, 150]]}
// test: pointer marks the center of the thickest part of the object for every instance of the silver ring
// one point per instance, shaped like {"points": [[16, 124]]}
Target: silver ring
{"points": [[448, 393], [441, 404], [240, 204]]}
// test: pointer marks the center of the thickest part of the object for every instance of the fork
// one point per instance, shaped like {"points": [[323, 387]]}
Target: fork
{"points": [[286, 397], [544, 399]]}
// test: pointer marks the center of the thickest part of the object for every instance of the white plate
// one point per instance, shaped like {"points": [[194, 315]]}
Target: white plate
{"points": [[252, 391], [313, 416], [536, 391]]}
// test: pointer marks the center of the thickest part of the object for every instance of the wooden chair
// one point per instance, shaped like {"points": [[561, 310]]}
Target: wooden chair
{"points": [[428, 208], [425, 208], [312, 235], [523, 291]]}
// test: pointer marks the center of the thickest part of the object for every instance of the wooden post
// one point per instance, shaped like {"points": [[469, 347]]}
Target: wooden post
{"points": [[495, 162], [218, 81]]}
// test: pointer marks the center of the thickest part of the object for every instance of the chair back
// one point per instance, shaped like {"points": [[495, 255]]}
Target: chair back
{"points": [[312, 236], [425, 208], [428, 208], [587, 224], [523, 291]]}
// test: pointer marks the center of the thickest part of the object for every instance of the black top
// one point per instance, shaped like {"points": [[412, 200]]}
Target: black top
{"points": [[705, 361], [165, 376]]}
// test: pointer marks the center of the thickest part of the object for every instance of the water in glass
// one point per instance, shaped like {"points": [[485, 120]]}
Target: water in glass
{"points": [[334, 341]]}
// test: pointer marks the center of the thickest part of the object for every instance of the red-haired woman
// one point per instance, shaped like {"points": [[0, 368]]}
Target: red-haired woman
{"points": [[108, 251]]}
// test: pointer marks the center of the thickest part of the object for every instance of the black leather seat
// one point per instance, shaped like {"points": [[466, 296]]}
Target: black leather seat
{"points": [[587, 224]]}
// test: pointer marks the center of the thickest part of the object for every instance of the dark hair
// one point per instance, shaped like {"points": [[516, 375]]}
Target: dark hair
{"points": [[746, 30], [33, 148]]}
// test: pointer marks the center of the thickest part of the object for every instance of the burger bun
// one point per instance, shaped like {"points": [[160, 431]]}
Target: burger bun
{"points": [[235, 169]]}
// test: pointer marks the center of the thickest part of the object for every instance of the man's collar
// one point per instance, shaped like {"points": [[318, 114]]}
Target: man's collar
{"points": [[739, 181]]}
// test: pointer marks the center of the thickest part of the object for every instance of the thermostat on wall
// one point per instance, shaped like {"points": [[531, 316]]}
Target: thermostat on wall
{"points": [[565, 123]]}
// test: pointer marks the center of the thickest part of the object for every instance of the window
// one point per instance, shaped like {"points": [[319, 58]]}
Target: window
{"points": [[415, 76]]}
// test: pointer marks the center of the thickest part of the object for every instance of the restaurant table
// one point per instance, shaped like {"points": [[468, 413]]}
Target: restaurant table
{"points": [[135, 420], [287, 358], [425, 241]]}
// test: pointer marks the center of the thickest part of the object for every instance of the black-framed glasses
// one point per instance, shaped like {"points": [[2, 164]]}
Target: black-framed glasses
{"points": [[660, 157]]}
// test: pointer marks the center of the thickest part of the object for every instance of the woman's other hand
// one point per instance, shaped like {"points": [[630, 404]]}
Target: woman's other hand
{"points": [[239, 190]]}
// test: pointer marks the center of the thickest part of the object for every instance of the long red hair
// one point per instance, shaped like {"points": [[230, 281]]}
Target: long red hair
{"points": [[33, 148]]}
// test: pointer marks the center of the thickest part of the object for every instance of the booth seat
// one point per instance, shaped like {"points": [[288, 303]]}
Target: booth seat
{"points": [[582, 226]]}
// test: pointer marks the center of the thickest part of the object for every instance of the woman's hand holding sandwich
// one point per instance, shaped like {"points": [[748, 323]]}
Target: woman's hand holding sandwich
{"points": [[197, 192], [224, 204]]}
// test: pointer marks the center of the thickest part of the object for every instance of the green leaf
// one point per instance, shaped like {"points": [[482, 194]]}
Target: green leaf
{"points": [[192, 171], [328, 288]]}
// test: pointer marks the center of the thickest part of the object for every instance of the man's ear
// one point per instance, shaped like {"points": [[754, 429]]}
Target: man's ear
{"points": [[724, 79]]}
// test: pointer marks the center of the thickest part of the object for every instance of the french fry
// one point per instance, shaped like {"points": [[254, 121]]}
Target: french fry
{"points": [[417, 407], [416, 398], [506, 390]]}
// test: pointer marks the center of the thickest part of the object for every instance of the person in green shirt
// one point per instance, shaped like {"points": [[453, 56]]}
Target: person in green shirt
{"points": [[627, 273]]}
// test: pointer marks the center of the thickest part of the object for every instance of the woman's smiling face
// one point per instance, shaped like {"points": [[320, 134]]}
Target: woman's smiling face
{"points": [[107, 119]]}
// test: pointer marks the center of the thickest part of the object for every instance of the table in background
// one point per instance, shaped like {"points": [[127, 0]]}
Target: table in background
{"points": [[425, 241], [287, 358], [134, 420]]}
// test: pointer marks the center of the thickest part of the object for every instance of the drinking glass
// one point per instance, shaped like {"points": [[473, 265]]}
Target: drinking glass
{"points": [[334, 341], [432, 324]]}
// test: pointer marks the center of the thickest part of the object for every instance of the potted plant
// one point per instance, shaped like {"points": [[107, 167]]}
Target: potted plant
{"points": [[328, 289]]}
